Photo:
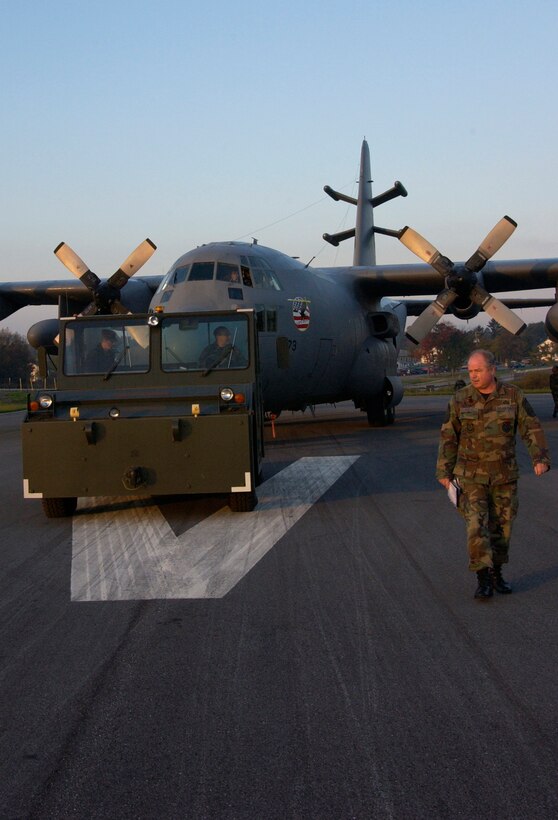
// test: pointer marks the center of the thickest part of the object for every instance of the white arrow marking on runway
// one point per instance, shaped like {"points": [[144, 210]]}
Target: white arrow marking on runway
{"points": [[133, 554]]}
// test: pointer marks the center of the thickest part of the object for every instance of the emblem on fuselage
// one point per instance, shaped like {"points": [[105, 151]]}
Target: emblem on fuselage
{"points": [[301, 312]]}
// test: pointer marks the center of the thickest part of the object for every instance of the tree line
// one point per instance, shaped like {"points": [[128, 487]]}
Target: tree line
{"points": [[17, 358], [448, 347]]}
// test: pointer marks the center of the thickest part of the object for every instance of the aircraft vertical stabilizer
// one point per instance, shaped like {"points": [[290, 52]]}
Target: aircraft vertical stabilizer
{"points": [[364, 254], [365, 245]]}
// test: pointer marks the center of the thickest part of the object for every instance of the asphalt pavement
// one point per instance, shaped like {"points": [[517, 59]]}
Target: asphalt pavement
{"points": [[345, 672]]}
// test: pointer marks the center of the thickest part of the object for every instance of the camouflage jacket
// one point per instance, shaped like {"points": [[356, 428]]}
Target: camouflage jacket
{"points": [[477, 439]]}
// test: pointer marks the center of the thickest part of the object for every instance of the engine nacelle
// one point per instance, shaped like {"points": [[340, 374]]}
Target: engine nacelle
{"points": [[464, 309], [383, 324], [551, 323], [371, 377], [43, 334]]}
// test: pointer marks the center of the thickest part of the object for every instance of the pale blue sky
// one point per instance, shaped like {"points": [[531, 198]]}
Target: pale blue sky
{"points": [[193, 122]]}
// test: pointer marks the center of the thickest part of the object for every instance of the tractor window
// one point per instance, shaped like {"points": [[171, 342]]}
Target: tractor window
{"points": [[111, 347], [191, 343]]}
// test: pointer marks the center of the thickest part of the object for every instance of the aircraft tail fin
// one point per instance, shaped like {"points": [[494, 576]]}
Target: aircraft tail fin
{"points": [[365, 246]]}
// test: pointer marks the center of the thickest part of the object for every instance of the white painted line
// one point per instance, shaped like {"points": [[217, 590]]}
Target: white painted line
{"points": [[26, 493], [247, 485], [133, 554]]}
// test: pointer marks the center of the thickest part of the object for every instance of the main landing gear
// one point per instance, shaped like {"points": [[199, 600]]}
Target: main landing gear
{"points": [[378, 415]]}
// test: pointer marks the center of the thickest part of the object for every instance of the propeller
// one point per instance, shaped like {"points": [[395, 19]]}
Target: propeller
{"points": [[106, 295], [461, 280]]}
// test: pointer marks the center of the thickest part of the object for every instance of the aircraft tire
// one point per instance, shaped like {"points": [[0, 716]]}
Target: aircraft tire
{"points": [[379, 416], [59, 507], [242, 502]]}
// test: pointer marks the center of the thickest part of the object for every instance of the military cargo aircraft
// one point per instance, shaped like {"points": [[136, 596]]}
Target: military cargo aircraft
{"points": [[325, 334]]}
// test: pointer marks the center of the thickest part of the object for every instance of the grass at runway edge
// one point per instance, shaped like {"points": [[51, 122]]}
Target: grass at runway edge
{"points": [[11, 400]]}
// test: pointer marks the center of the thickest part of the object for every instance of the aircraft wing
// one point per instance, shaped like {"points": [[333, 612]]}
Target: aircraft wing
{"points": [[16, 295], [422, 280], [415, 307]]}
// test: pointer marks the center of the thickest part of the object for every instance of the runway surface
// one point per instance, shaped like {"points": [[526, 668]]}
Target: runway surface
{"points": [[321, 657]]}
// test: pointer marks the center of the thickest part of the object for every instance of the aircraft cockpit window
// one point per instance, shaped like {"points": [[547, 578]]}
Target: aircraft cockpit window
{"points": [[91, 348], [201, 271], [167, 279], [262, 273], [180, 274], [246, 277], [227, 273], [211, 343]]}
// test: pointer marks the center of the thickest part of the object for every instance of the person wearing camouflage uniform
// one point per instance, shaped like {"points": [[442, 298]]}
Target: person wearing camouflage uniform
{"points": [[477, 447], [553, 384]]}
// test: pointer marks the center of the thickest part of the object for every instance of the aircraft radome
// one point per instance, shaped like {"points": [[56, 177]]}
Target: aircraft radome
{"points": [[325, 334]]}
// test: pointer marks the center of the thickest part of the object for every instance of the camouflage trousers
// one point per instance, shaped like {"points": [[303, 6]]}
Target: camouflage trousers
{"points": [[489, 511]]}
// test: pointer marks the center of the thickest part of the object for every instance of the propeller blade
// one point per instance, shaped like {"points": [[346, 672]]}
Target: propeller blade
{"points": [[118, 308], [132, 264], [90, 310], [422, 326], [498, 310], [418, 245], [492, 243], [77, 266]]}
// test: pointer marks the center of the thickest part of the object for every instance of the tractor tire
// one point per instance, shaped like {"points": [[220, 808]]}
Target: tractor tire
{"points": [[59, 507]]}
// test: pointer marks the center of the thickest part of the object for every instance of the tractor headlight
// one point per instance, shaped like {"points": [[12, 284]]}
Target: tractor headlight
{"points": [[45, 401]]}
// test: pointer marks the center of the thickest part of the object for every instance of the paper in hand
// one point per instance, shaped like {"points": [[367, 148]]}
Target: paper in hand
{"points": [[454, 491]]}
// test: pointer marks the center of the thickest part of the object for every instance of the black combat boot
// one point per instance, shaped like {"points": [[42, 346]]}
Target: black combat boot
{"points": [[498, 582], [484, 589]]}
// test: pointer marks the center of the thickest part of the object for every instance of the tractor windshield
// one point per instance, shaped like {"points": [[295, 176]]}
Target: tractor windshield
{"points": [[111, 347], [205, 344]]}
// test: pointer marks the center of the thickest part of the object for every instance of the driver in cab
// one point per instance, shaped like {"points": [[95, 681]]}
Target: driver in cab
{"points": [[221, 352], [101, 358]]}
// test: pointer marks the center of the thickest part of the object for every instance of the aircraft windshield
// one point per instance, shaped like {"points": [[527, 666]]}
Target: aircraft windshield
{"points": [[251, 271], [207, 344], [114, 347]]}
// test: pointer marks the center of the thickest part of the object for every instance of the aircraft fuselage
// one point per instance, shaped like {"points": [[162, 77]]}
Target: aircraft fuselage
{"points": [[314, 328]]}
